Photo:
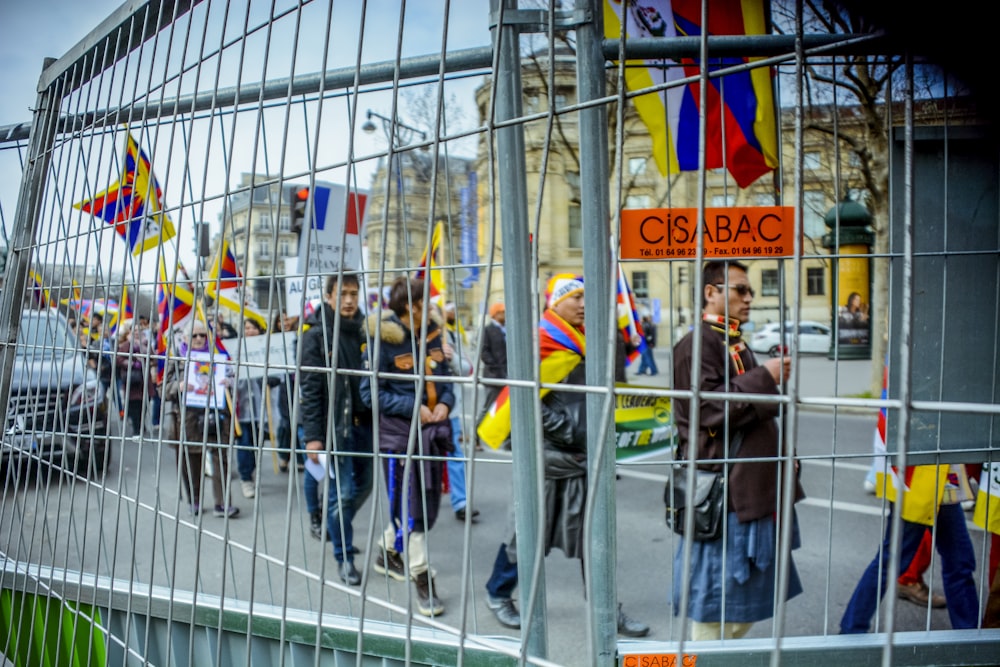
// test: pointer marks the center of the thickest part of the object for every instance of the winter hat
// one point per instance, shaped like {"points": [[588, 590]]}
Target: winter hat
{"points": [[561, 286]]}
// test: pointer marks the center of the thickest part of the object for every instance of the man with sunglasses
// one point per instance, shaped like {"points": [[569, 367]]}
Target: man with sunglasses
{"points": [[748, 547]]}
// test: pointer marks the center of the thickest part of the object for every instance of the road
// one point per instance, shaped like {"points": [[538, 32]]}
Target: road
{"points": [[127, 529]]}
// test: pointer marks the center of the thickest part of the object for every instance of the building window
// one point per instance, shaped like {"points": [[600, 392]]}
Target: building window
{"points": [[575, 227], [769, 285], [723, 200], [813, 212], [286, 248], [640, 284], [264, 222], [263, 249], [637, 201], [285, 223], [811, 160], [815, 281], [636, 166]]}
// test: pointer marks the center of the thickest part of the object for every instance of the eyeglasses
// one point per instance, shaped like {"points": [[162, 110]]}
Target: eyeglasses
{"points": [[742, 290]]}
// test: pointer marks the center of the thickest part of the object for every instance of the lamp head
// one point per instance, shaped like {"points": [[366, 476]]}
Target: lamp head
{"points": [[368, 127]]}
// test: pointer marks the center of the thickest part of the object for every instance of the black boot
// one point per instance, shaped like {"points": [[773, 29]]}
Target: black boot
{"points": [[427, 602]]}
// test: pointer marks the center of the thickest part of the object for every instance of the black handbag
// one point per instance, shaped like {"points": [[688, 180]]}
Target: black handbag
{"points": [[708, 503]]}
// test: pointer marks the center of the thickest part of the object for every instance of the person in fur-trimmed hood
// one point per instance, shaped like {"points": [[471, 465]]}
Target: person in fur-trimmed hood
{"points": [[397, 331]]}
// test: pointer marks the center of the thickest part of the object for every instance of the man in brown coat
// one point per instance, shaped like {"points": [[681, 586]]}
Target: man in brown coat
{"points": [[749, 547]]}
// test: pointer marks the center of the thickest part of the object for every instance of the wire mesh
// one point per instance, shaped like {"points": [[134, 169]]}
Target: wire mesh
{"points": [[244, 153]]}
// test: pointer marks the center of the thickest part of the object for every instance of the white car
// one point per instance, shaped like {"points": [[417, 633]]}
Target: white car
{"points": [[813, 337]]}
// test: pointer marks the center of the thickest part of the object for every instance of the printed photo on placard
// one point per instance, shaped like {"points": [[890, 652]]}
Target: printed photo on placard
{"points": [[206, 381]]}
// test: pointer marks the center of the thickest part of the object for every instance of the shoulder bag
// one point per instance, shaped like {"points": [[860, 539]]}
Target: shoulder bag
{"points": [[708, 502]]}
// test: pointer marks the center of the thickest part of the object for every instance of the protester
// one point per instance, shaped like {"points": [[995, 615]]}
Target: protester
{"points": [[941, 489], [493, 353], [564, 430], [130, 361], [336, 343], [456, 466], [251, 413], [413, 506], [648, 363], [201, 419], [747, 556]]}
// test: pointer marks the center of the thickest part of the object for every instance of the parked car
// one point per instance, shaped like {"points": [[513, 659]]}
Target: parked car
{"points": [[813, 337], [57, 414]]}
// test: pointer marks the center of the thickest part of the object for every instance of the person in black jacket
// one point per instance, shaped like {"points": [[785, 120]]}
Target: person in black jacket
{"points": [[493, 353], [413, 505], [334, 341], [564, 433]]}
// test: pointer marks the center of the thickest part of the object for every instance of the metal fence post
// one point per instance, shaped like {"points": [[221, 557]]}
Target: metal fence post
{"points": [[521, 339], [43, 129], [601, 547]]}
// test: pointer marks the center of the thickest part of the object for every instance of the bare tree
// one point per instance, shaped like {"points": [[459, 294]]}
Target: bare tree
{"points": [[851, 99]]}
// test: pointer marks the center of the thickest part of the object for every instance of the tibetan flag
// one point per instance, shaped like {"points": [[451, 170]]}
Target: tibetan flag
{"points": [[107, 309], [563, 347], [628, 319], [435, 285], [741, 132], [75, 300], [227, 286], [40, 295], [987, 514], [922, 486], [133, 204], [128, 312], [175, 307]]}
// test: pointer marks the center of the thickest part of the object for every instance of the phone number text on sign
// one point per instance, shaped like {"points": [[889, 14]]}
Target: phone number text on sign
{"points": [[736, 231]]}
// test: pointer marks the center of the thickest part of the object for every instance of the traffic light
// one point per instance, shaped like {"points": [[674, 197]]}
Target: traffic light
{"points": [[299, 199]]}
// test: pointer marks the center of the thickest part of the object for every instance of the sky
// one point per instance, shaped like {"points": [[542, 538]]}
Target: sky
{"points": [[192, 163]]}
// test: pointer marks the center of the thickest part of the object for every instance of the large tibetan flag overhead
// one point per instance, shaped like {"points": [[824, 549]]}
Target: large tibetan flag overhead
{"points": [[133, 204], [741, 133], [226, 286], [435, 284]]}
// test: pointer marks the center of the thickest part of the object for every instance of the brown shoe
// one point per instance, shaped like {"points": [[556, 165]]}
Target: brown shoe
{"points": [[917, 593], [428, 603]]}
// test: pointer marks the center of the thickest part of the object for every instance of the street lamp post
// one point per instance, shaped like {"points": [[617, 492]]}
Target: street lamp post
{"points": [[398, 134]]}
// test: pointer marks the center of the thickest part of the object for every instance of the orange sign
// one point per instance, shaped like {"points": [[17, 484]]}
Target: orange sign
{"points": [[658, 660], [734, 231]]}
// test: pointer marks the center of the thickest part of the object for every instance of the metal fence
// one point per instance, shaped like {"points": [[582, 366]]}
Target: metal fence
{"points": [[513, 128]]}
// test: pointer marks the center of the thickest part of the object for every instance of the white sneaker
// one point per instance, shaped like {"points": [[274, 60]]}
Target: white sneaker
{"points": [[248, 489]]}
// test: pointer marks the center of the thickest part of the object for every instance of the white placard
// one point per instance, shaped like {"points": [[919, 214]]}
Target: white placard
{"points": [[297, 289], [276, 349], [206, 380]]}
